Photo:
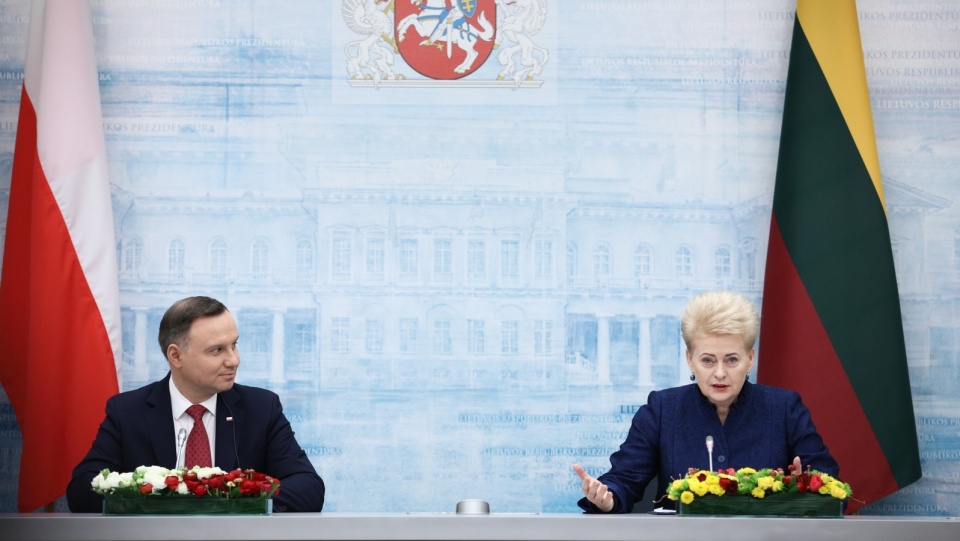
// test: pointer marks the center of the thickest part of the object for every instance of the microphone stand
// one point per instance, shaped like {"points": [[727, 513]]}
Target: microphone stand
{"points": [[710, 450], [181, 439]]}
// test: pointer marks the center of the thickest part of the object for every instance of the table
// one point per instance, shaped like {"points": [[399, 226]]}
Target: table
{"points": [[449, 526]]}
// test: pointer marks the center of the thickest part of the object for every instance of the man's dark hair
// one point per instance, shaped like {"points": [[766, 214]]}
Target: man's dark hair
{"points": [[176, 322]]}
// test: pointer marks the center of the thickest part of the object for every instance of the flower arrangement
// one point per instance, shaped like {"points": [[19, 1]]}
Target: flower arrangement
{"points": [[199, 482], [713, 488]]}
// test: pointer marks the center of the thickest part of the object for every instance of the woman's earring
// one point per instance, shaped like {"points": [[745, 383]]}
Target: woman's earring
{"points": [[748, 377], [693, 377]]}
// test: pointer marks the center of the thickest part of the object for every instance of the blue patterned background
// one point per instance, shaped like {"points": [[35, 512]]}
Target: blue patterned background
{"points": [[460, 289]]}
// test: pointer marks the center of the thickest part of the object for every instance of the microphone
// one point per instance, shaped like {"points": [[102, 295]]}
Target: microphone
{"points": [[710, 450], [181, 439], [234, 429]]}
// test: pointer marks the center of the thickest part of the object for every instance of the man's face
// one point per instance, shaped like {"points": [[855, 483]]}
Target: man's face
{"points": [[208, 364]]}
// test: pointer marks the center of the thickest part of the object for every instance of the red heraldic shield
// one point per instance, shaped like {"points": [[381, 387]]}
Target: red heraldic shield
{"points": [[445, 39]]}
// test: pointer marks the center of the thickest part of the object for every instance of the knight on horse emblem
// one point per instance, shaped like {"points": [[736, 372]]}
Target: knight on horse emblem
{"points": [[445, 39]]}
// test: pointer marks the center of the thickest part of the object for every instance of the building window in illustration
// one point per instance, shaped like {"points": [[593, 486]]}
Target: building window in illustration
{"points": [[256, 334], [132, 255], [476, 260], [259, 258], [684, 261], [542, 337], [408, 335], [374, 336], [509, 337], [510, 260], [301, 336], [571, 262], [300, 343], [442, 337], [723, 263], [408, 258], [340, 256], [376, 251], [642, 261], [475, 337], [601, 261], [176, 257], [340, 335], [303, 265], [443, 259], [218, 258], [543, 258]]}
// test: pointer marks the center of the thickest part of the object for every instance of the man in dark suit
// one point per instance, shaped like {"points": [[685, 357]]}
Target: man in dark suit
{"points": [[245, 426]]}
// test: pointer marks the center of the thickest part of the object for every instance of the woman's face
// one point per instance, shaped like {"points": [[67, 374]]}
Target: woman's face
{"points": [[721, 363]]}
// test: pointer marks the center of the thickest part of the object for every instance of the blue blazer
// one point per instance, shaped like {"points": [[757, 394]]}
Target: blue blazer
{"points": [[138, 431], [765, 428]]}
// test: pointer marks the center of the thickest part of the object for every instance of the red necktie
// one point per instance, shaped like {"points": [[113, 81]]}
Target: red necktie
{"points": [[198, 445]]}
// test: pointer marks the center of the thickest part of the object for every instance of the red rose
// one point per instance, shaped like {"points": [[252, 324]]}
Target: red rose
{"points": [[199, 490], [190, 476], [731, 471], [249, 487], [266, 486], [215, 482], [146, 488], [729, 486], [815, 483], [171, 481], [801, 486], [702, 477], [786, 479]]}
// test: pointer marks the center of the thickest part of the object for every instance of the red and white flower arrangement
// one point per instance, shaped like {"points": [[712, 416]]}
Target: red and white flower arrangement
{"points": [[199, 482]]}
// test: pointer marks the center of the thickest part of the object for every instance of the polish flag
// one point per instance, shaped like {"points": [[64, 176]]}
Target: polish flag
{"points": [[59, 297]]}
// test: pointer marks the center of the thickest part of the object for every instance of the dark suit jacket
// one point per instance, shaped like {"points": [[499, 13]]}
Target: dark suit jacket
{"points": [[765, 428], [138, 431]]}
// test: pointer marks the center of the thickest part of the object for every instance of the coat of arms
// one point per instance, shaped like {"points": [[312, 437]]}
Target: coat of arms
{"points": [[444, 40]]}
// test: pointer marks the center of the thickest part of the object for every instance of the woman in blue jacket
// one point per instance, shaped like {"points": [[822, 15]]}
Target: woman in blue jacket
{"points": [[750, 425]]}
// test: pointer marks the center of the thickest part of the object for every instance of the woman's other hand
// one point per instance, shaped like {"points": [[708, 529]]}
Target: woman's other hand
{"points": [[595, 491]]}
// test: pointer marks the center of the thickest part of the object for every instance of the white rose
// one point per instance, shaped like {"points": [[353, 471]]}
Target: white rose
{"points": [[123, 480]]}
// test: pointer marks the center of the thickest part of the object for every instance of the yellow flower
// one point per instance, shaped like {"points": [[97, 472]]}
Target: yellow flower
{"points": [[838, 492], [765, 483], [686, 497], [747, 471], [701, 489], [758, 492], [716, 490], [777, 486], [677, 484], [824, 490], [712, 480]]}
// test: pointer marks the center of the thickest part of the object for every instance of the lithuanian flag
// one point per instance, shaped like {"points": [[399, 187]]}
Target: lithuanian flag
{"points": [[831, 311]]}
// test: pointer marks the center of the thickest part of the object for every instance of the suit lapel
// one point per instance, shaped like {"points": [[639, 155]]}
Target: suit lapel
{"points": [[229, 432], [159, 416]]}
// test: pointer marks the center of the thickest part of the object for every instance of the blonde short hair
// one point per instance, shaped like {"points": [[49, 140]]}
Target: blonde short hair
{"points": [[720, 313]]}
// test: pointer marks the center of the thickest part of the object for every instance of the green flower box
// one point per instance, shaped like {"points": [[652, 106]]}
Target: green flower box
{"points": [[186, 505], [786, 504]]}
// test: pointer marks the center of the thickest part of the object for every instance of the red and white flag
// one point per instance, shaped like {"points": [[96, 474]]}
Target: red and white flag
{"points": [[59, 295]]}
